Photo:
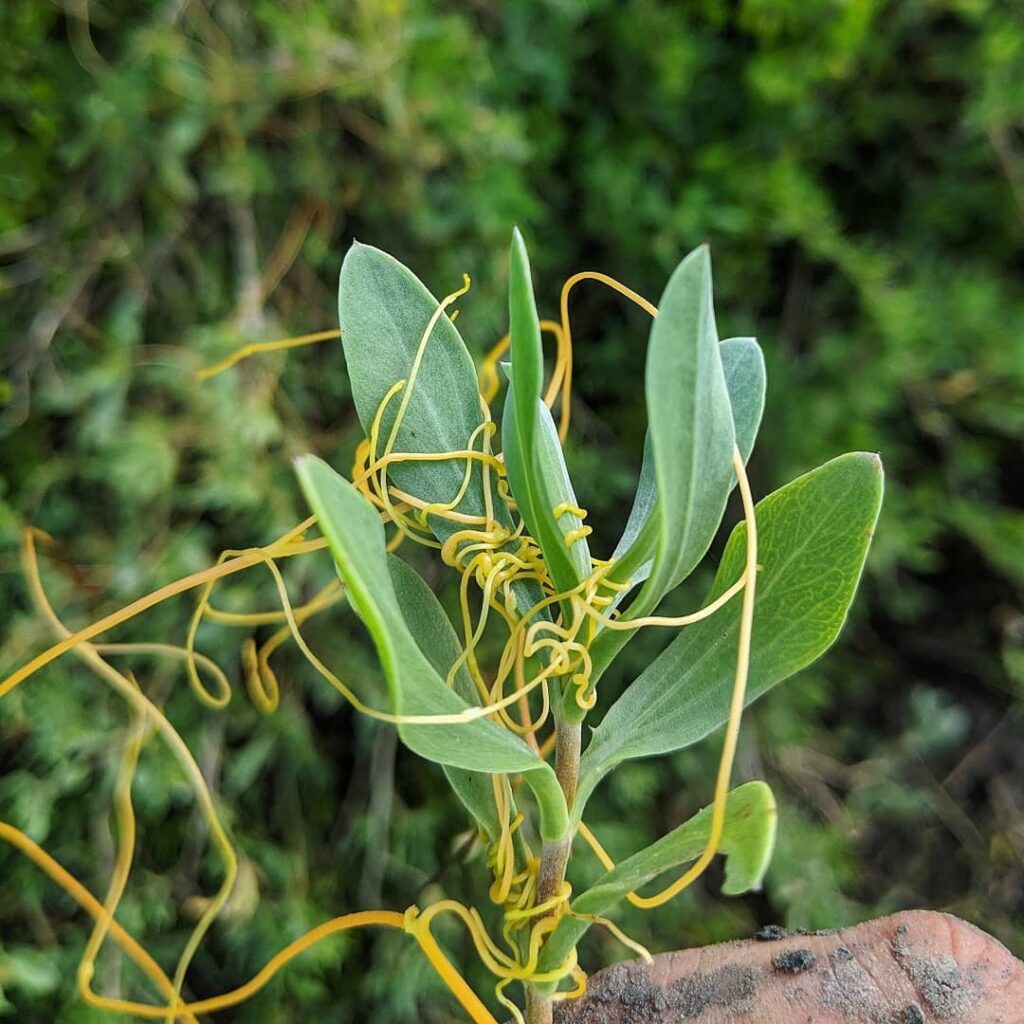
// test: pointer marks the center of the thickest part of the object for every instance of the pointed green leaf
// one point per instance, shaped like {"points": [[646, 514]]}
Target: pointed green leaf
{"points": [[436, 638], [690, 422], [748, 838], [384, 310], [356, 538], [813, 538], [533, 453], [743, 364], [745, 379], [525, 347], [636, 546]]}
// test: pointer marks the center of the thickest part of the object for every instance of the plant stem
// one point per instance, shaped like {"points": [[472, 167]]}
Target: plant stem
{"points": [[539, 1008], [555, 856], [567, 757]]}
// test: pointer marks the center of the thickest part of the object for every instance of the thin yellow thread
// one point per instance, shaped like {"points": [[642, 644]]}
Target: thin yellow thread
{"points": [[586, 275], [69, 884], [565, 508], [572, 536], [673, 620], [256, 348], [127, 689], [737, 701]]}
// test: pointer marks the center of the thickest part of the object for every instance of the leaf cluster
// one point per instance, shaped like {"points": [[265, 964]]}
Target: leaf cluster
{"points": [[815, 536]]}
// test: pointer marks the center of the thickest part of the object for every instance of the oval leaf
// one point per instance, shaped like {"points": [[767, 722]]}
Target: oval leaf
{"points": [[384, 309], [744, 369], [813, 538], [745, 380], [356, 538], [748, 838], [743, 365]]}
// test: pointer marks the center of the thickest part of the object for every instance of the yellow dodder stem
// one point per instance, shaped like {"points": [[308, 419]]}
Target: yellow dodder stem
{"points": [[125, 815], [127, 689], [178, 1009], [360, 919], [143, 604], [85, 899], [732, 729], [258, 347], [469, 1000]]}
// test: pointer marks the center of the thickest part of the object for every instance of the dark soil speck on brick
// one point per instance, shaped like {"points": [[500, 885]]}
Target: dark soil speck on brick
{"points": [[947, 993], [794, 961], [912, 1015], [623, 996], [731, 986], [941, 984]]}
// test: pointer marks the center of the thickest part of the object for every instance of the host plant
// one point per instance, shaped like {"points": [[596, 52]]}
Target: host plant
{"points": [[509, 734]]}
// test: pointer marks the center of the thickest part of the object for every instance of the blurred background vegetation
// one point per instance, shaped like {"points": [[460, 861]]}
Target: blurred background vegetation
{"points": [[181, 177]]}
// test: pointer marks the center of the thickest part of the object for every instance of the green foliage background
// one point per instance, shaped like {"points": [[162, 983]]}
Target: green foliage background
{"points": [[179, 178]]}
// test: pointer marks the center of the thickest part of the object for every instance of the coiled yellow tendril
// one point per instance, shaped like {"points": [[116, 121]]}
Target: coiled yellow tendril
{"points": [[542, 648]]}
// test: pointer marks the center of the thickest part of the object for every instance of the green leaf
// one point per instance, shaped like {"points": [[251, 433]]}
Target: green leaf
{"points": [[533, 453], [813, 538], [436, 638], [743, 365], [745, 380], [524, 340], [384, 310], [690, 422], [748, 837], [635, 549], [356, 538]]}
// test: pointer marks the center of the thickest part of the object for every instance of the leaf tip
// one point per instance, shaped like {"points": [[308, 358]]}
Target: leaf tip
{"points": [[873, 460], [517, 251], [306, 465], [697, 262], [357, 248]]}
